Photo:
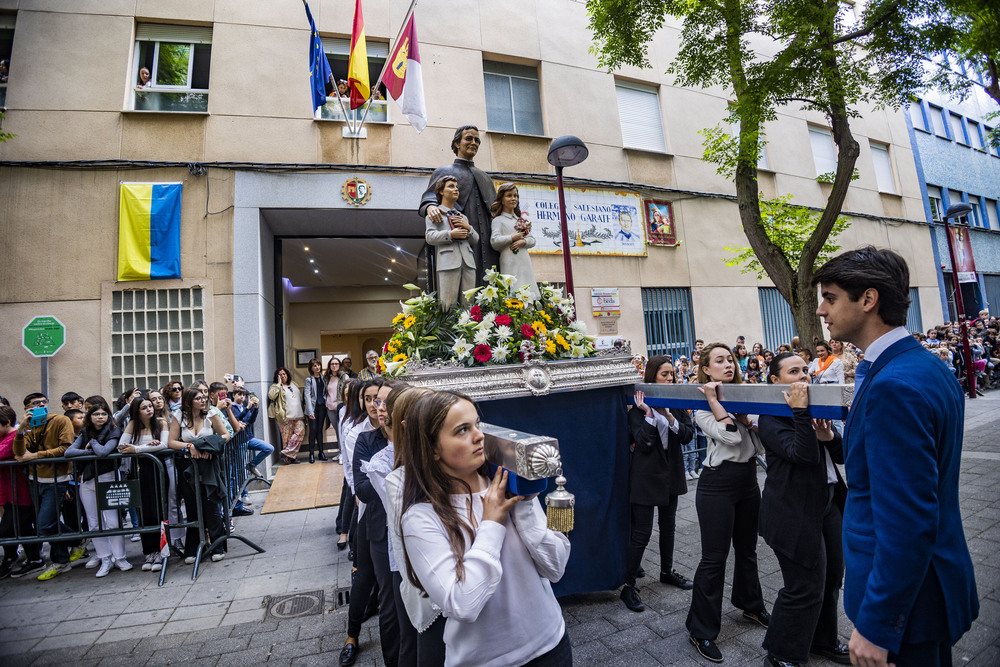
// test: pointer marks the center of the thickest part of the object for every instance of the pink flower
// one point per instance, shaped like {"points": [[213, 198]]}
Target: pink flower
{"points": [[476, 313], [482, 353], [526, 330], [502, 319]]}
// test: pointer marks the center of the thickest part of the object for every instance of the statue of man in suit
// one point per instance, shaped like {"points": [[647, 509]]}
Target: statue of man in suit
{"points": [[476, 194], [909, 585]]}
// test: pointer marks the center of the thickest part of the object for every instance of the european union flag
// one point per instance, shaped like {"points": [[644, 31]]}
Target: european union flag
{"points": [[320, 74]]}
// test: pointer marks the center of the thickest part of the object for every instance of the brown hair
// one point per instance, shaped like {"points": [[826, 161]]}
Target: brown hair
{"points": [[496, 208], [399, 404], [706, 357], [653, 367], [426, 481]]}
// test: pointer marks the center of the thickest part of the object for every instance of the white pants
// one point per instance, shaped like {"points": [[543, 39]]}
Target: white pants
{"points": [[103, 546]]}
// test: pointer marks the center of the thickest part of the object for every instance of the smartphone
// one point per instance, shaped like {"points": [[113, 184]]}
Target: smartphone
{"points": [[223, 395], [38, 416]]}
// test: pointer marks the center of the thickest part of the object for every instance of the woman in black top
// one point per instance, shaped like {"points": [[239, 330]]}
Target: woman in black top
{"points": [[800, 519], [656, 479]]}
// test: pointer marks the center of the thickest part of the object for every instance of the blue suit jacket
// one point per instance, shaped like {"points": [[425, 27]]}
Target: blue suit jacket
{"points": [[907, 563]]}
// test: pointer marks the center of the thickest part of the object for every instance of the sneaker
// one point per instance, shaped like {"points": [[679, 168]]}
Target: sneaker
{"points": [[689, 474], [217, 557], [27, 567], [252, 469], [707, 648], [177, 548], [77, 554], [123, 564], [54, 570], [761, 618], [93, 562], [106, 565], [147, 563], [157, 562], [697, 474], [6, 567], [135, 537], [189, 560], [630, 596], [242, 511], [245, 501], [675, 578]]}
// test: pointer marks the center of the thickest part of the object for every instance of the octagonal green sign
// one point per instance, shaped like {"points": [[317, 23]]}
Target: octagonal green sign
{"points": [[44, 336]]}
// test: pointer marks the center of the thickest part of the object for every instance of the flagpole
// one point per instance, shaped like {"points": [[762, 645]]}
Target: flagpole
{"points": [[406, 17]]}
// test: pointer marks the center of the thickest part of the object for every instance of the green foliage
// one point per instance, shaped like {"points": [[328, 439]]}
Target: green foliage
{"points": [[831, 176], [172, 67], [5, 136], [789, 227]]}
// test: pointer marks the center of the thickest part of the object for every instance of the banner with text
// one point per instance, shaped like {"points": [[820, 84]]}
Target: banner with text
{"points": [[600, 222]]}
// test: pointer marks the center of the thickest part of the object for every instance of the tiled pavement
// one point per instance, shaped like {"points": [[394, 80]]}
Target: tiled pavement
{"points": [[221, 619]]}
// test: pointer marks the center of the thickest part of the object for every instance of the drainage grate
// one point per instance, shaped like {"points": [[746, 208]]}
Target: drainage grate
{"points": [[342, 598], [296, 605]]}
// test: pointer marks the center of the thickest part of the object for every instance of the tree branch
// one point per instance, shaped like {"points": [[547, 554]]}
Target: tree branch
{"points": [[883, 14]]}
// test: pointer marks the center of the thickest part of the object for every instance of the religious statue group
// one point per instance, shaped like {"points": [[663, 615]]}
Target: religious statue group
{"points": [[474, 226]]}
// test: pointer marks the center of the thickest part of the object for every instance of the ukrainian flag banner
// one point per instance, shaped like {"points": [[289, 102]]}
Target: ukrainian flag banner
{"points": [[149, 231]]}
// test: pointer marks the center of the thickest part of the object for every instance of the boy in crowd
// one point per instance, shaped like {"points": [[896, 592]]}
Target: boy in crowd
{"points": [[219, 397], [71, 401], [245, 411], [42, 436]]}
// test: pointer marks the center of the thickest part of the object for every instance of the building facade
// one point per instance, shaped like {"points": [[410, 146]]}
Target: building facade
{"points": [[278, 262], [956, 163]]}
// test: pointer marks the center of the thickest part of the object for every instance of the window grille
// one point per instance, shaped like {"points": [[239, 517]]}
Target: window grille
{"points": [[914, 322], [776, 316], [157, 335], [669, 320]]}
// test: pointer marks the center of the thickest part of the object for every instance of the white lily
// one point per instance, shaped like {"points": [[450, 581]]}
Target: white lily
{"points": [[490, 274], [393, 367], [487, 294], [578, 351], [469, 293], [464, 318], [461, 349], [410, 286]]}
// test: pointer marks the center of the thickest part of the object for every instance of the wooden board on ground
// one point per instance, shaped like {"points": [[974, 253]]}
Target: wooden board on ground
{"points": [[304, 486]]}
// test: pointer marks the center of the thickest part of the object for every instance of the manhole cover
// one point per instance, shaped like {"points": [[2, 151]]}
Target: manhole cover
{"points": [[296, 605]]}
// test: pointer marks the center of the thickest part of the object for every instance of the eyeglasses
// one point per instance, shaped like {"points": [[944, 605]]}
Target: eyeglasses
{"points": [[39, 402], [379, 403], [100, 413], [177, 388]]}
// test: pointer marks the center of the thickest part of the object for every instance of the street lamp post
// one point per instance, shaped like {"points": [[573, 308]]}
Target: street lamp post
{"points": [[566, 151], [959, 211]]}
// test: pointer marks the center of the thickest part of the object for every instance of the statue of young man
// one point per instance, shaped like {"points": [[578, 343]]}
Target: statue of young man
{"points": [[476, 194]]}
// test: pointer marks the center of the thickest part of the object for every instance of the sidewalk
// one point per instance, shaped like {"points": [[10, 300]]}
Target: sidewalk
{"points": [[223, 618]]}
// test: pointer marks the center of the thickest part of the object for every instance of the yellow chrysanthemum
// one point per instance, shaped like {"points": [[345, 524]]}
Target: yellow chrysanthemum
{"points": [[562, 341], [409, 321], [399, 318], [550, 347], [393, 346], [546, 316], [538, 327], [400, 357]]}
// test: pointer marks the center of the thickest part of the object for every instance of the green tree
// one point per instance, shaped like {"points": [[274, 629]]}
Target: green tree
{"points": [[815, 59]]}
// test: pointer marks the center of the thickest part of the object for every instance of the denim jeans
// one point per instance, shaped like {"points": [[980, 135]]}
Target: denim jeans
{"points": [[50, 498], [262, 448]]}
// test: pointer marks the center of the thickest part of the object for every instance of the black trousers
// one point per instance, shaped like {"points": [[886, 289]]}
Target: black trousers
{"points": [[316, 428], [561, 655], [372, 562], [728, 504], [641, 530], [407, 633], [924, 654], [430, 644], [345, 515], [362, 581], [24, 523], [805, 611], [151, 512], [211, 511]]}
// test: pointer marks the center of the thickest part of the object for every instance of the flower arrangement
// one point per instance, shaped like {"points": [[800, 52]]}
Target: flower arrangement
{"points": [[501, 326], [420, 331]]}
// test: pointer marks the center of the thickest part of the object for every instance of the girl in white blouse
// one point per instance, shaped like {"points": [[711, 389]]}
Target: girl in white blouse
{"points": [[728, 502], [484, 558], [147, 433]]}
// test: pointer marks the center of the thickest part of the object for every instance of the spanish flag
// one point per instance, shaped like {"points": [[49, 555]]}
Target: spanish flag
{"points": [[357, 66], [149, 231]]}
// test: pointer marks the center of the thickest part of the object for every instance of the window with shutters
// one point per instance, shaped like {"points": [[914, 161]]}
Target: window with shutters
{"points": [[170, 68], [990, 214], [640, 116], [883, 168], [824, 150], [957, 131], [934, 199], [975, 217], [513, 98], [917, 116], [338, 54], [937, 120]]}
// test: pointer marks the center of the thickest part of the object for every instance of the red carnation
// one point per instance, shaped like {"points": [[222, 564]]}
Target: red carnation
{"points": [[502, 319], [385, 348], [527, 331], [482, 353], [476, 313]]}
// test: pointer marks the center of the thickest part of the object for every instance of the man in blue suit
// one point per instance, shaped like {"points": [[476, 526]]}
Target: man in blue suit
{"points": [[909, 585]]}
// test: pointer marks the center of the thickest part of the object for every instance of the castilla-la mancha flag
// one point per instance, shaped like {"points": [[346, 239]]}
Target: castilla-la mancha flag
{"points": [[357, 65], [403, 79]]}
